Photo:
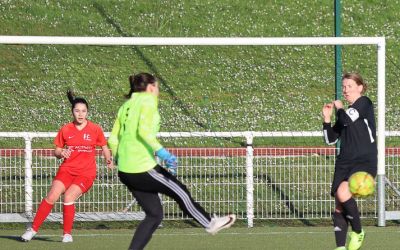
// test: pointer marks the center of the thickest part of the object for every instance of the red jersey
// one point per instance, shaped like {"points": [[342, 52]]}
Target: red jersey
{"points": [[83, 144]]}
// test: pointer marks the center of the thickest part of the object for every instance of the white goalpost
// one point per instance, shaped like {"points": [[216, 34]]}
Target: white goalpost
{"points": [[379, 42]]}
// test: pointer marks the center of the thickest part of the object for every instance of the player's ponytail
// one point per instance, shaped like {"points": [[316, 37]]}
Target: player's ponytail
{"points": [[139, 82], [75, 100], [71, 96]]}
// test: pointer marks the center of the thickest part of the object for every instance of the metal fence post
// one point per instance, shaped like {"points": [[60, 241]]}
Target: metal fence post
{"points": [[381, 200], [381, 132], [249, 179], [28, 177]]}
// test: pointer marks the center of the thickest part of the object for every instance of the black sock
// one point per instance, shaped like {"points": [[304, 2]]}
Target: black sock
{"points": [[341, 225], [352, 214]]}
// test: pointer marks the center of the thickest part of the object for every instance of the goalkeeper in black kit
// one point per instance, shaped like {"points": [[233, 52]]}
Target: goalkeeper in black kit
{"points": [[356, 130]]}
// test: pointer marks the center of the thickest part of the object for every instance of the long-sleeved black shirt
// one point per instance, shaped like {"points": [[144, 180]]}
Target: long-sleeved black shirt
{"points": [[356, 130]]}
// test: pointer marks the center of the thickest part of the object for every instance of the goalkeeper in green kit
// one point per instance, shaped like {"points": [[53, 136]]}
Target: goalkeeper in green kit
{"points": [[134, 145]]}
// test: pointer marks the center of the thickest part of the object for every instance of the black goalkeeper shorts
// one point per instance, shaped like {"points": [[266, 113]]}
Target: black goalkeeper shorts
{"points": [[344, 171]]}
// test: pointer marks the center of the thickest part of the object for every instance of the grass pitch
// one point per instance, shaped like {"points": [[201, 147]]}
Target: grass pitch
{"points": [[386, 238]]}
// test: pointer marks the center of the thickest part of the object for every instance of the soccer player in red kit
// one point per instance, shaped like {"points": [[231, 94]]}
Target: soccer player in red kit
{"points": [[75, 143]]}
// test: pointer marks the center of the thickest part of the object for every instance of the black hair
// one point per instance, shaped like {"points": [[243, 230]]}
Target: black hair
{"points": [[139, 82], [75, 100]]}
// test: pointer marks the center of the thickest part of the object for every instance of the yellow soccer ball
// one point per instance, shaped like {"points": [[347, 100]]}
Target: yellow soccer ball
{"points": [[361, 184]]}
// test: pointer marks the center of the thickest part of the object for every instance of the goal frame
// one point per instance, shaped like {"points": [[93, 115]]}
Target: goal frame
{"points": [[253, 41]]}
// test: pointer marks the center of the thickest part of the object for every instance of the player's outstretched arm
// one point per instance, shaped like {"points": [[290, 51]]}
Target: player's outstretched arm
{"points": [[170, 161]]}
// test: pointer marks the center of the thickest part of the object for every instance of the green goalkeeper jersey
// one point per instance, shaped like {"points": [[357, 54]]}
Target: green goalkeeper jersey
{"points": [[133, 137]]}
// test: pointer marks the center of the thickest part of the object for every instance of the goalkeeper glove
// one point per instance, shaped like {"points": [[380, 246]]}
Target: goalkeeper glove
{"points": [[170, 161]]}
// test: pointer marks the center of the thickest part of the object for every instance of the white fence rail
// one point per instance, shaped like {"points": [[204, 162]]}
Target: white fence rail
{"points": [[253, 182]]}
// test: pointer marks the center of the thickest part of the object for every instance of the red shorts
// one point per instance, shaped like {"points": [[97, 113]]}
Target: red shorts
{"points": [[84, 182]]}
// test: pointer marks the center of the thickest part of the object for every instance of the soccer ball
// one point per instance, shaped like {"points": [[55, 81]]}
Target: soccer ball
{"points": [[361, 184]]}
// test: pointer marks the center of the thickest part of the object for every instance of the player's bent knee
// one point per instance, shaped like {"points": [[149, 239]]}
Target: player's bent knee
{"points": [[71, 197], [343, 197], [156, 218], [343, 193], [159, 217], [155, 212], [51, 199]]}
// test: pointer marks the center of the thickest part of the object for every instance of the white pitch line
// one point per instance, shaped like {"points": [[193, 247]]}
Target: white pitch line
{"points": [[202, 234]]}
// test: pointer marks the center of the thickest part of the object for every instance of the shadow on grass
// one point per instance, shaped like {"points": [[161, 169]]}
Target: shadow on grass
{"points": [[18, 238], [150, 65], [182, 106]]}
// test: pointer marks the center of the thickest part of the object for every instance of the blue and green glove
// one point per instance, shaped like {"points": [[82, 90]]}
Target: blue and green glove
{"points": [[170, 161]]}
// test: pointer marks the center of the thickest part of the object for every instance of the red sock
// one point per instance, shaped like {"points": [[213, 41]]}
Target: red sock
{"points": [[42, 213], [68, 217]]}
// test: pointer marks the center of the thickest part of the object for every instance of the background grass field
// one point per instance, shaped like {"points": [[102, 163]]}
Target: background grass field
{"points": [[279, 238], [202, 88], [239, 88]]}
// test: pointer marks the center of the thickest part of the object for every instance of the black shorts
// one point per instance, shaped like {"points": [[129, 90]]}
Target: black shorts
{"points": [[343, 172]]}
